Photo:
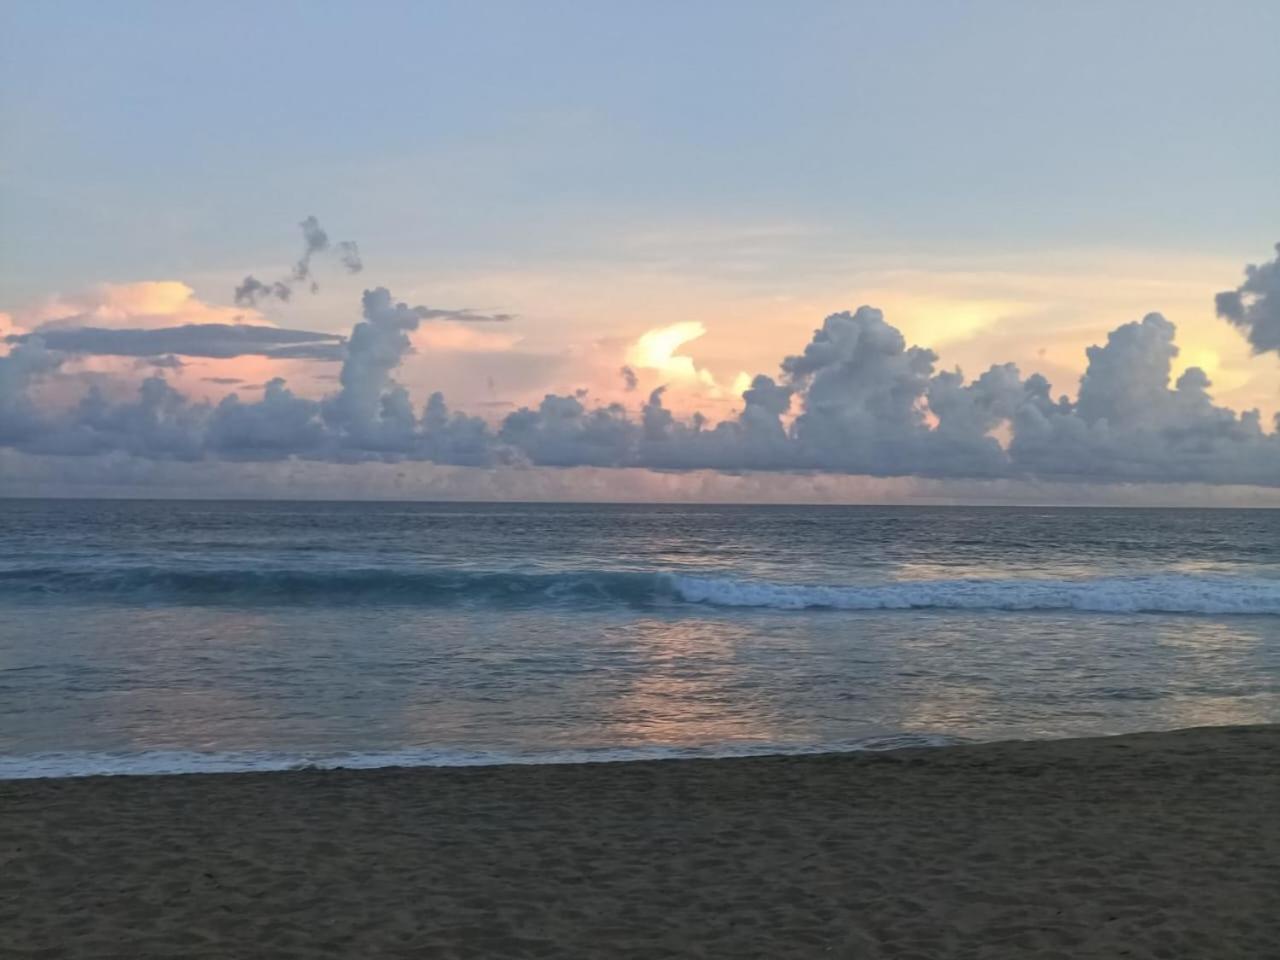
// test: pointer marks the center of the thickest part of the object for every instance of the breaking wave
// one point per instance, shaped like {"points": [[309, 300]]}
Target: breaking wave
{"points": [[1164, 593], [1158, 593]]}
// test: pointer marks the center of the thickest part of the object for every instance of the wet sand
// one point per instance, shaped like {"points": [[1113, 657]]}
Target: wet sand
{"points": [[1153, 845]]}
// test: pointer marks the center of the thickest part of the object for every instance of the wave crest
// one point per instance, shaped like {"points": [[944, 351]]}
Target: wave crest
{"points": [[1160, 593]]}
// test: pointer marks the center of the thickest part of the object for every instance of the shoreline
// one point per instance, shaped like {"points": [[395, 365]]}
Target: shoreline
{"points": [[240, 762], [220, 763], [1159, 844]]}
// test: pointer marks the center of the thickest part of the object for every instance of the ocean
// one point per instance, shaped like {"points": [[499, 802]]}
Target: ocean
{"points": [[162, 636]]}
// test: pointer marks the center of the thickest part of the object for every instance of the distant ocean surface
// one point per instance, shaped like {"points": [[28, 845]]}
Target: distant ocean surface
{"points": [[144, 636]]}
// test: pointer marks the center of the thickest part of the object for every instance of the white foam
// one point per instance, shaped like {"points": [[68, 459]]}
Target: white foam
{"points": [[1164, 593], [151, 762]]}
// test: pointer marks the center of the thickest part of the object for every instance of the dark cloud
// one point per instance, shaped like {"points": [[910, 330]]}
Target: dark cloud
{"points": [[315, 240], [251, 290], [349, 256], [281, 424], [629, 379], [21, 419], [218, 340], [161, 424], [1254, 306], [462, 316], [332, 352]]}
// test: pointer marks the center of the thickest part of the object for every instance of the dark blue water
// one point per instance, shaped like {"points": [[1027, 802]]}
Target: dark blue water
{"points": [[169, 636]]}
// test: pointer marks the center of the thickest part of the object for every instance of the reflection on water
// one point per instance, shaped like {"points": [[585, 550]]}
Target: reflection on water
{"points": [[691, 689], [112, 678], [1205, 700], [1217, 711]]}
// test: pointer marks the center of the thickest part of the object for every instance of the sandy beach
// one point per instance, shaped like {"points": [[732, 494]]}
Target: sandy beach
{"points": [[1152, 845]]}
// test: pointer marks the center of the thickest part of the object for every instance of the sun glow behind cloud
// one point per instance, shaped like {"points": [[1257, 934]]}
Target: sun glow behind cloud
{"points": [[656, 350], [1040, 309]]}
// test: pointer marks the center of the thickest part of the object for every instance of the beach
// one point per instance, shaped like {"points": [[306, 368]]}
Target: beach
{"points": [[1162, 845]]}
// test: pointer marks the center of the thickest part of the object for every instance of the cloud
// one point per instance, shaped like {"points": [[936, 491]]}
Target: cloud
{"points": [[251, 290], [349, 256], [315, 240], [218, 340], [1254, 306], [145, 305], [629, 379], [656, 350], [21, 419], [167, 362], [856, 399], [281, 424], [461, 316]]}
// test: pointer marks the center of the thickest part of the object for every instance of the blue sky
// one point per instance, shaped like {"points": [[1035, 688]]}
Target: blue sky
{"points": [[151, 139], [1009, 181]]}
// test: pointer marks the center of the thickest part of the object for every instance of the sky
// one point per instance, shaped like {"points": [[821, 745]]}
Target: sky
{"points": [[605, 222]]}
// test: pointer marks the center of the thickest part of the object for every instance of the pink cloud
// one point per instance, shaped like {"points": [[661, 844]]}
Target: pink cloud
{"points": [[448, 335], [151, 304]]}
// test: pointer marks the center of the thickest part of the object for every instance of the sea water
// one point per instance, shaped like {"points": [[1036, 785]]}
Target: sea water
{"points": [[156, 636]]}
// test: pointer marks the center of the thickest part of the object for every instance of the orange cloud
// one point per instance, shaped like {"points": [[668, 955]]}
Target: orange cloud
{"points": [[656, 350], [143, 305], [1040, 309]]}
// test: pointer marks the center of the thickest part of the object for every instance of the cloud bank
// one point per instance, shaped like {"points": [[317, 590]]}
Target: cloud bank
{"points": [[855, 399]]}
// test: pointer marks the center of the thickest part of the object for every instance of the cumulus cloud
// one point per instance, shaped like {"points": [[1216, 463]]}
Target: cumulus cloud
{"points": [[369, 416], [21, 419], [372, 412], [856, 399], [1254, 306], [315, 240]]}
